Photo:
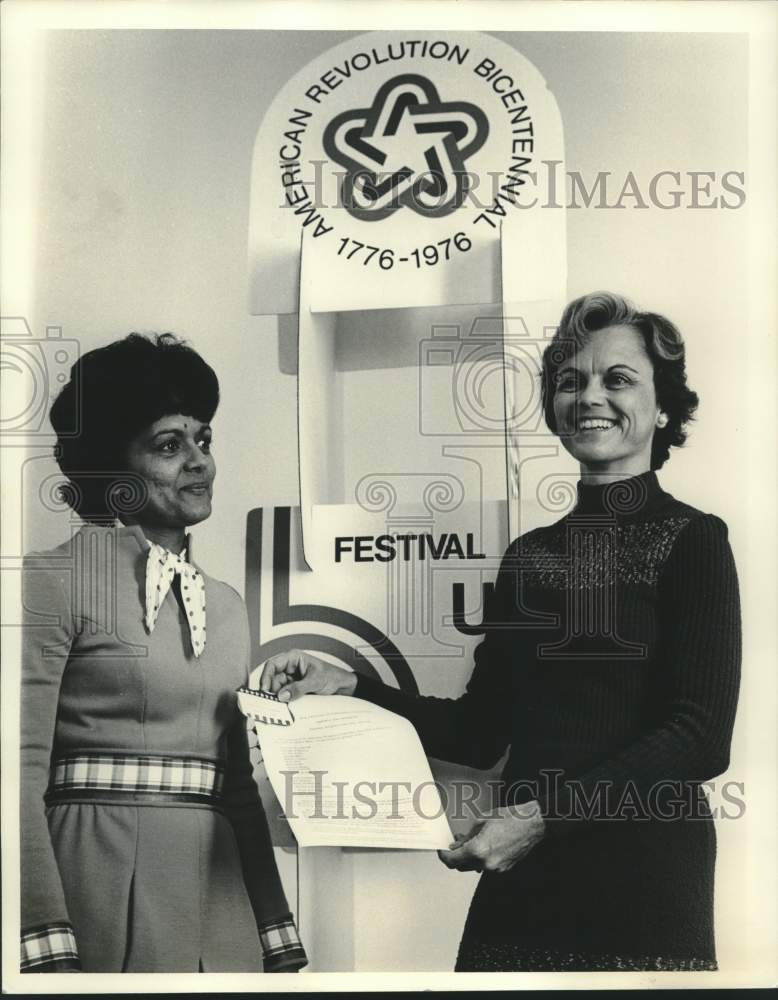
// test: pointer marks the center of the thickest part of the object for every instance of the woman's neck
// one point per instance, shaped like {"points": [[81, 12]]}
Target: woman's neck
{"points": [[594, 476], [173, 539]]}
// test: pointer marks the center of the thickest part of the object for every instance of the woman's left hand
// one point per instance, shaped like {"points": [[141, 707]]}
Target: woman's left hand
{"points": [[498, 843]]}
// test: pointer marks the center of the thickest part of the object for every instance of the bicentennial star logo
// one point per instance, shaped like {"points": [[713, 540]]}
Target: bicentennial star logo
{"points": [[409, 149]]}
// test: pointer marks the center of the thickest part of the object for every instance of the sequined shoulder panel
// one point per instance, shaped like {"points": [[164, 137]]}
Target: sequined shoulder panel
{"points": [[594, 551]]}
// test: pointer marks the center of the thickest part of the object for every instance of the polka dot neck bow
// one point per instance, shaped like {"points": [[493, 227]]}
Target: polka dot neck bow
{"points": [[162, 566]]}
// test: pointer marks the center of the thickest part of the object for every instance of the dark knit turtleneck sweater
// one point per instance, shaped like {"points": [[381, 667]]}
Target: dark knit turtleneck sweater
{"points": [[610, 668]]}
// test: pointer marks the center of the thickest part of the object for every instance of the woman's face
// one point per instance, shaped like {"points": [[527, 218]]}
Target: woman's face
{"points": [[173, 457], [605, 403]]}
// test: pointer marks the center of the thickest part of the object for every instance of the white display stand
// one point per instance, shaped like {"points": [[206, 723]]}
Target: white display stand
{"points": [[398, 188]]}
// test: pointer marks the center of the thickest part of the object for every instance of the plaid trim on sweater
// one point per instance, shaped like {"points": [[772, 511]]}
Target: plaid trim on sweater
{"points": [[281, 946], [51, 948], [136, 773]]}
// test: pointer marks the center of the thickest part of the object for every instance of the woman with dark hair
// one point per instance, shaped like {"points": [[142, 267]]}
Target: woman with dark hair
{"points": [[145, 847], [609, 670]]}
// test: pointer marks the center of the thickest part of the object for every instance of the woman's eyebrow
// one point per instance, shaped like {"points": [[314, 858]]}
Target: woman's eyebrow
{"points": [[622, 364], [168, 430], [180, 433]]}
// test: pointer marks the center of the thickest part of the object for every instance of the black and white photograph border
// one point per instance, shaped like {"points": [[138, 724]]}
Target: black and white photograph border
{"points": [[127, 200]]}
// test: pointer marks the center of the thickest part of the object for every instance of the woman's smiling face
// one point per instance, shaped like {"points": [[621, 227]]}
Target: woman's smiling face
{"points": [[605, 403], [173, 457]]}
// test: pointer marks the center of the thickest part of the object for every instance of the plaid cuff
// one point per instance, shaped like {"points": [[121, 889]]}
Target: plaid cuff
{"points": [[281, 946], [50, 948]]}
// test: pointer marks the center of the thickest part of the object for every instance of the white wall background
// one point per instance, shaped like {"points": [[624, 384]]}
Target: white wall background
{"points": [[141, 223]]}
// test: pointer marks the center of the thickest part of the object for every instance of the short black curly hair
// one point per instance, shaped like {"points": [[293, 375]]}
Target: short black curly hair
{"points": [[664, 346], [113, 393]]}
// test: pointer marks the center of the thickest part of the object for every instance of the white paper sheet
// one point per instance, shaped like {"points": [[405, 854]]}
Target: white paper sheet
{"points": [[349, 774]]}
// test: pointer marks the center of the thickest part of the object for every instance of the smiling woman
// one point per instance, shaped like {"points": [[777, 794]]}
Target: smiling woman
{"points": [[173, 459], [144, 844], [614, 387], [609, 668], [605, 405]]}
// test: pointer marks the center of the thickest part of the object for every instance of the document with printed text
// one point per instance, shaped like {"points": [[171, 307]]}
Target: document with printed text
{"points": [[348, 773]]}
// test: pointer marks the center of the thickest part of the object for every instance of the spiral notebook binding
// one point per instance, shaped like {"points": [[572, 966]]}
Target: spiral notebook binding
{"points": [[258, 693], [269, 697], [268, 721]]}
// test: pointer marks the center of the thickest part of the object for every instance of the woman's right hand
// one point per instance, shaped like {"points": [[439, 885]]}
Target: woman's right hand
{"points": [[293, 674]]}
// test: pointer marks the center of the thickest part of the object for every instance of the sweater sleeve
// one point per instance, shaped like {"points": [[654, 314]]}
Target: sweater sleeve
{"points": [[48, 942], [475, 728], [281, 946], [699, 618]]}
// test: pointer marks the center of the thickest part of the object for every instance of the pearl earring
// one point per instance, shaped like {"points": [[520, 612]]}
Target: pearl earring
{"points": [[661, 420]]}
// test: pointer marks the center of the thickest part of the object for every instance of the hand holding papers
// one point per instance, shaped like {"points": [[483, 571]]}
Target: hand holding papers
{"points": [[348, 773]]}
